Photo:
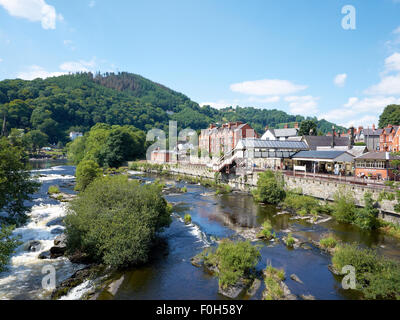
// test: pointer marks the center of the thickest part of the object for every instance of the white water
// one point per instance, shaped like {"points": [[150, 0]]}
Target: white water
{"points": [[23, 277], [195, 231]]}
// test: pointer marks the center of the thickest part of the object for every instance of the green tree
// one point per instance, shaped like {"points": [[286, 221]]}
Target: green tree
{"points": [[16, 185], [391, 115], [35, 140], [367, 217], [344, 208], [76, 149], [307, 128], [270, 188], [86, 172], [115, 221], [8, 243]]}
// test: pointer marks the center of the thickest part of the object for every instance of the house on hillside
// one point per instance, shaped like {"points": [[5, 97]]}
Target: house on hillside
{"points": [[73, 135], [217, 141], [280, 134]]}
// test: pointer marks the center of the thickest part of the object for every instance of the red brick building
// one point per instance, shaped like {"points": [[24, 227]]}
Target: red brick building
{"points": [[376, 165], [216, 140], [389, 139]]}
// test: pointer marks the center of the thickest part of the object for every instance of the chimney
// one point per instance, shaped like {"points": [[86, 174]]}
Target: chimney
{"points": [[266, 128], [373, 127], [351, 138], [360, 129], [296, 125], [333, 137], [286, 126]]}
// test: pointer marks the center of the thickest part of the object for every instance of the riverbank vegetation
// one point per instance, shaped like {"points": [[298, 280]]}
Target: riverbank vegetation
{"points": [[108, 146], [266, 231], [273, 278], [53, 190], [86, 172], [344, 210], [16, 185], [377, 277], [8, 243], [233, 261], [270, 188], [115, 221], [187, 218]]}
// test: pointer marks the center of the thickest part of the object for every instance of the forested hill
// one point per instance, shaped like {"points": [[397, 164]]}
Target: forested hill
{"points": [[76, 102]]}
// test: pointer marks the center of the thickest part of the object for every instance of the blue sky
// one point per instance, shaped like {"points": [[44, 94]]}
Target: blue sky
{"points": [[292, 55]]}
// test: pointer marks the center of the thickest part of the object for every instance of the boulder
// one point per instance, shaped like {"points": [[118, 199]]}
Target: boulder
{"points": [[55, 222], [307, 297], [295, 278], [254, 287], [60, 240], [233, 292], [57, 230], [44, 255], [33, 246]]}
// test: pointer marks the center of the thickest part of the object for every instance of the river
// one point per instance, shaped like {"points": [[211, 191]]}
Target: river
{"points": [[170, 274]]}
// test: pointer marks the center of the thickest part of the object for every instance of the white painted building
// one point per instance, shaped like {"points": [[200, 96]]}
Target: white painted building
{"points": [[73, 135], [280, 134]]}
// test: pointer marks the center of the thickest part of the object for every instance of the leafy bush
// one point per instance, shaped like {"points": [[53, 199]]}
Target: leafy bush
{"points": [[188, 218], [7, 245], [86, 172], [234, 261], [114, 221], [290, 241], [303, 204], [272, 279], [344, 207], [328, 242], [53, 190], [376, 277], [184, 189], [367, 217], [266, 231], [270, 188], [224, 189], [345, 210]]}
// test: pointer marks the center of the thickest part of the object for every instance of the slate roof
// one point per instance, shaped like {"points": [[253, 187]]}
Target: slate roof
{"points": [[289, 132], [324, 141], [318, 154], [372, 132], [272, 144], [378, 156]]}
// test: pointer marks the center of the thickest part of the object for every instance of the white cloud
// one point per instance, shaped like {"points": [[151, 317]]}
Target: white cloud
{"points": [[267, 87], [34, 72], [92, 4], [304, 105], [358, 112], [392, 63], [389, 85], [77, 66], [1, 60], [33, 10], [69, 44], [340, 79], [397, 30]]}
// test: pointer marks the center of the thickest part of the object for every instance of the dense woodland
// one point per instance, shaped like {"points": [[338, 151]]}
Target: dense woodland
{"points": [[55, 106]]}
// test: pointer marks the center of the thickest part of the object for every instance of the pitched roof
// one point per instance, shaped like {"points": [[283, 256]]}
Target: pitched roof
{"points": [[324, 141], [372, 132], [319, 154], [272, 144], [354, 151], [289, 132], [378, 156]]}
